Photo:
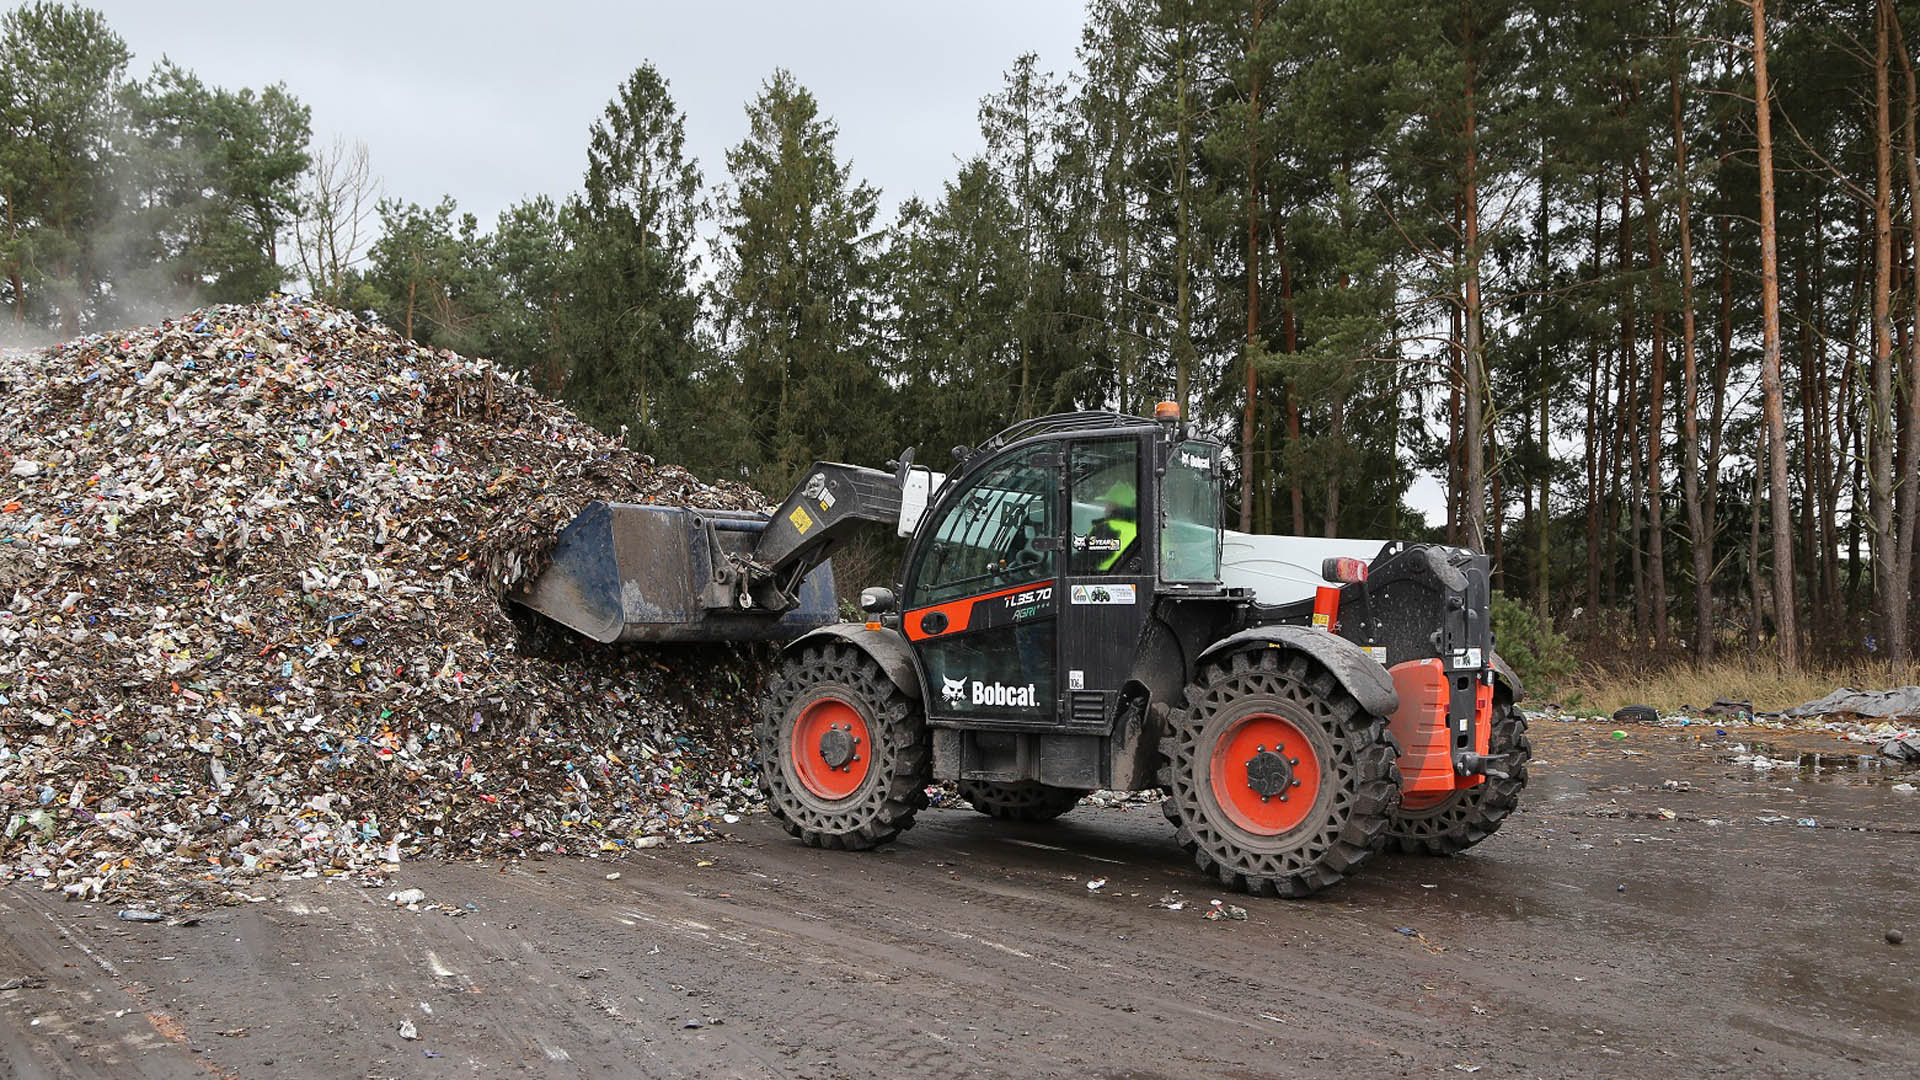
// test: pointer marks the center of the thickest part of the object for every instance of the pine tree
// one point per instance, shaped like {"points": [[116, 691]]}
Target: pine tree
{"points": [[794, 290], [629, 332]]}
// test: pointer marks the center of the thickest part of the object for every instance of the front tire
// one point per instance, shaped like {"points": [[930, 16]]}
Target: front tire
{"points": [[843, 753], [1278, 782], [1026, 800], [1460, 819]]}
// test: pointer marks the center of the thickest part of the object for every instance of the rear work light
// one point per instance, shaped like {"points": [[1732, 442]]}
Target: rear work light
{"points": [[1344, 570]]}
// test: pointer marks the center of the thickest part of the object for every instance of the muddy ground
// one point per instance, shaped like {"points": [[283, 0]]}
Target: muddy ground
{"points": [[1594, 936]]}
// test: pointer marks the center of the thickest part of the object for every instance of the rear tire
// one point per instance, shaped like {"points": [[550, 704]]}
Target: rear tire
{"points": [[843, 753], [1025, 800], [1465, 817], [1277, 781]]}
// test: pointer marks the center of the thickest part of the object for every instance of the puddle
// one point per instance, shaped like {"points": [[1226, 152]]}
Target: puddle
{"points": [[1815, 764]]}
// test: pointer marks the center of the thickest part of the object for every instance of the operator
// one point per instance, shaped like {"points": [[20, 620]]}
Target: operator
{"points": [[1114, 532]]}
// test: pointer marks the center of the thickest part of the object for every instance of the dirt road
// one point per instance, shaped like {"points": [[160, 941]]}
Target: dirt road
{"points": [[1594, 936]]}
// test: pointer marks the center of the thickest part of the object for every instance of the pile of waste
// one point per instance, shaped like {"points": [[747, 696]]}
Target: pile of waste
{"points": [[251, 563]]}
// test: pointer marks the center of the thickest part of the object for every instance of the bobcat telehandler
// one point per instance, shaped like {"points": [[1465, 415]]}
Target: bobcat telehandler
{"points": [[1071, 616]]}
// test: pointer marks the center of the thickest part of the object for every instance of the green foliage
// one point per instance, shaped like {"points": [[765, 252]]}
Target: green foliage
{"points": [[129, 199], [430, 275], [59, 67], [1542, 658], [628, 337], [794, 293]]}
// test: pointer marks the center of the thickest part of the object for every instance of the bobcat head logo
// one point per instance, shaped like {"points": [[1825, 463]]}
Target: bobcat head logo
{"points": [[953, 690]]}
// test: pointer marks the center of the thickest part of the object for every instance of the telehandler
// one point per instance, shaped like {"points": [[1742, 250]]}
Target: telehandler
{"points": [[1070, 615]]}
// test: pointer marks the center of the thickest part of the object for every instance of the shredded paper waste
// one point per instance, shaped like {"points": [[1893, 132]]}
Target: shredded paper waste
{"points": [[251, 569]]}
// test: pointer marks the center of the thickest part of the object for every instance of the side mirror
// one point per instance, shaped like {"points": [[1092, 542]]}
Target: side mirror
{"points": [[877, 601]]}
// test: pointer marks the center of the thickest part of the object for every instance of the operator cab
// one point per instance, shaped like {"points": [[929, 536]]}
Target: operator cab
{"points": [[1033, 576]]}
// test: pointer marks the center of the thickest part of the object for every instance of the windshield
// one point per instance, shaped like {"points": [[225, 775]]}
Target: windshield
{"points": [[1190, 515]]}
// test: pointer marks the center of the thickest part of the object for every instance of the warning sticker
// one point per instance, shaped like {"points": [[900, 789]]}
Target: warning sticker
{"points": [[801, 521]]}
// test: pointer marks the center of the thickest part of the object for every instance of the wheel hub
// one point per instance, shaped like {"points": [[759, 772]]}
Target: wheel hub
{"points": [[837, 745], [829, 749], [1270, 774], [1264, 773]]}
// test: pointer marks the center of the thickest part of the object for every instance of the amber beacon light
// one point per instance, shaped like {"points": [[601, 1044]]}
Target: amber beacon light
{"points": [[1167, 411]]}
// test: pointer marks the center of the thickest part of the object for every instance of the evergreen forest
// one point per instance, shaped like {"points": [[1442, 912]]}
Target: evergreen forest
{"points": [[1633, 282]]}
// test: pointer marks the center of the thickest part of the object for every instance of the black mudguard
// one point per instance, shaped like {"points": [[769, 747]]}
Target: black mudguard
{"points": [[887, 647], [1504, 676], [1356, 671]]}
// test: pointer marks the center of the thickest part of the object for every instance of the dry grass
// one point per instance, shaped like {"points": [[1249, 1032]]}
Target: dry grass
{"points": [[1761, 680]]}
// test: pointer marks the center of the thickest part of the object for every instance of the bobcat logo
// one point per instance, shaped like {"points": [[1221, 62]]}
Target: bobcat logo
{"points": [[953, 690]]}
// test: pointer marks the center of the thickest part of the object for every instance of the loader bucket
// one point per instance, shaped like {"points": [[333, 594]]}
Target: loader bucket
{"points": [[630, 572]]}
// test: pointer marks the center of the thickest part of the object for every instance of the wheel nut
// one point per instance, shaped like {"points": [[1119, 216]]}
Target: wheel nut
{"points": [[1296, 782], [1283, 798]]}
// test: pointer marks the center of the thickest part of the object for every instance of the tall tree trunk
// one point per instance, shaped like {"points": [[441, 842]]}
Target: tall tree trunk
{"points": [[1756, 628], [1541, 579], [1722, 368], [1656, 399], [1811, 435], [1290, 341], [1474, 493], [1183, 213], [1630, 408], [1699, 528], [1899, 643], [1456, 350], [1770, 390], [1594, 432], [1253, 269], [1880, 444]]}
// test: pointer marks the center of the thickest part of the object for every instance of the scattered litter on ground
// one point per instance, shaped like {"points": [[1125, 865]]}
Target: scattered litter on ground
{"points": [[408, 1031], [408, 897], [141, 915], [250, 569], [1096, 884], [1217, 910]]}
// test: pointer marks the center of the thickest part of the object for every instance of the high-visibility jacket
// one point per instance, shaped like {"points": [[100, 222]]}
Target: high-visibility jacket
{"points": [[1126, 531]]}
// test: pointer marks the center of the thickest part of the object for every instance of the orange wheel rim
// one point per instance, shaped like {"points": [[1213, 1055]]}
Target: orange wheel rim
{"points": [[1265, 774], [831, 749]]}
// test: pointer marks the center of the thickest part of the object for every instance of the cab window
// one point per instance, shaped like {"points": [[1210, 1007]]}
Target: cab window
{"points": [[1104, 486], [986, 537], [1190, 514]]}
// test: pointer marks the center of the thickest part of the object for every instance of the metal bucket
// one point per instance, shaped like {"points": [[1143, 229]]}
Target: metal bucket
{"points": [[632, 572]]}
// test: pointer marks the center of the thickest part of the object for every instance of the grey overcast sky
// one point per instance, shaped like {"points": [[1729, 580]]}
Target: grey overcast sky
{"points": [[489, 100]]}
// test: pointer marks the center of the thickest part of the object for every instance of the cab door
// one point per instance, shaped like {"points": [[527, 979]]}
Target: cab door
{"points": [[981, 597], [1108, 584]]}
